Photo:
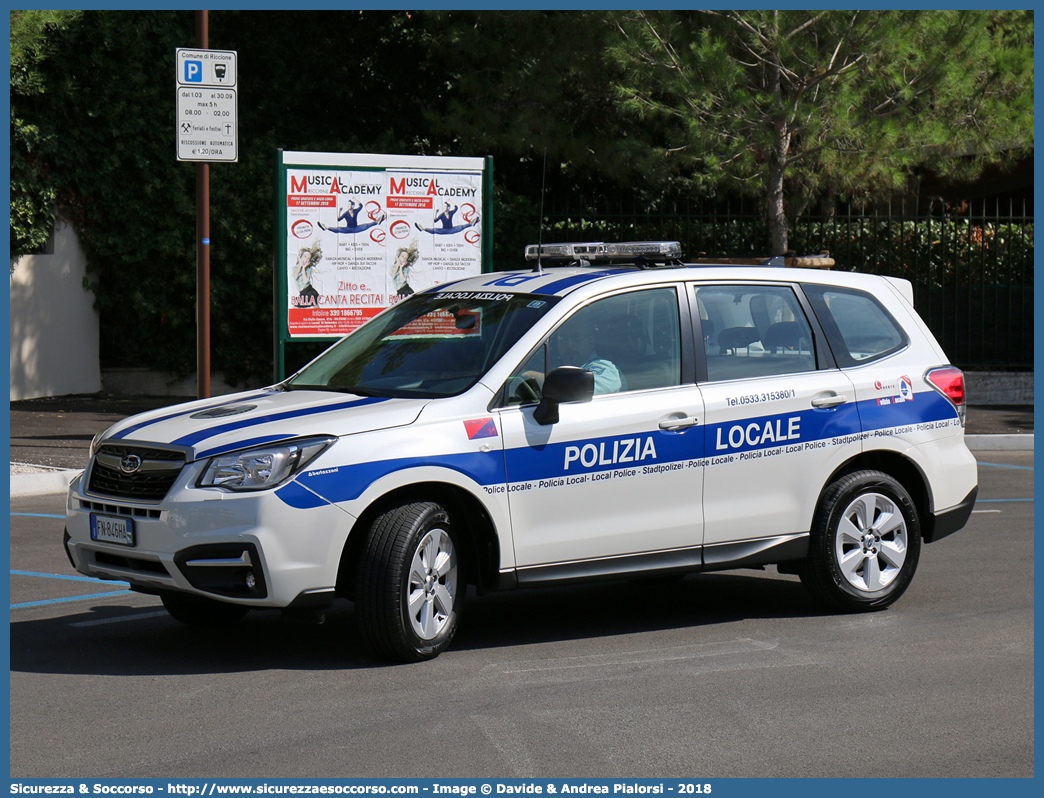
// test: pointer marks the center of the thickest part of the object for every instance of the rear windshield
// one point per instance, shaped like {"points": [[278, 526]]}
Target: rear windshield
{"points": [[430, 345]]}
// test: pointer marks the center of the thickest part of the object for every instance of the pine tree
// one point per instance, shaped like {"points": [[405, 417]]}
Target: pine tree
{"points": [[806, 102]]}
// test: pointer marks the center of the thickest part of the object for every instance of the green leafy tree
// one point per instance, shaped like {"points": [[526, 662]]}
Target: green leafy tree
{"points": [[102, 111], [797, 104], [34, 196]]}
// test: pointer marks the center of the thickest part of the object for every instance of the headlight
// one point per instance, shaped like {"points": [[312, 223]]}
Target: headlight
{"points": [[258, 469]]}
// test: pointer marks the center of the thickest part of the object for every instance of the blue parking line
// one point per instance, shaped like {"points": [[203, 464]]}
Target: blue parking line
{"points": [[70, 598], [1001, 465], [38, 515], [991, 501], [71, 578]]}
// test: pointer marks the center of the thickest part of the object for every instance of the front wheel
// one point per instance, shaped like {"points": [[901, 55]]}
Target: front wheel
{"points": [[408, 587], [865, 543]]}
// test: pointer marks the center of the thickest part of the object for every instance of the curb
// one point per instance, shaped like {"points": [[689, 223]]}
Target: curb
{"points": [[43, 483], [999, 443]]}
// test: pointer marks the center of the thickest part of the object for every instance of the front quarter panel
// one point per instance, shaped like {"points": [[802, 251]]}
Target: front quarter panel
{"points": [[453, 442]]}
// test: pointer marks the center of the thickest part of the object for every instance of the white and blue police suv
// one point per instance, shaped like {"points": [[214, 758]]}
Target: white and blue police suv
{"points": [[625, 415]]}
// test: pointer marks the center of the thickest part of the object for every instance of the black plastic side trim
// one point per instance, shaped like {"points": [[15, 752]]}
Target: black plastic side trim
{"points": [[650, 564], [65, 545], [313, 600], [749, 553], [946, 523]]}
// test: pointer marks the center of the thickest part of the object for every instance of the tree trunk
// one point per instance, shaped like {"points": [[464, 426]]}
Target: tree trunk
{"points": [[777, 159], [775, 214]]}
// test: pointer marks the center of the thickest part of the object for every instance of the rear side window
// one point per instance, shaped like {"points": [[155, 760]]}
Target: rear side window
{"points": [[754, 331], [858, 326]]}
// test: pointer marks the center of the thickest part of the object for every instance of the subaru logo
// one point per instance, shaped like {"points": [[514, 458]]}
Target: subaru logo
{"points": [[130, 463]]}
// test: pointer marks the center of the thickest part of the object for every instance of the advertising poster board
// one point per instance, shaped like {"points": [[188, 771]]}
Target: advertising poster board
{"points": [[357, 233]]}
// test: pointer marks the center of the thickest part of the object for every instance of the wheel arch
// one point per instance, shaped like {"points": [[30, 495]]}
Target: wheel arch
{"points": [[480, 546], [901, 468]]}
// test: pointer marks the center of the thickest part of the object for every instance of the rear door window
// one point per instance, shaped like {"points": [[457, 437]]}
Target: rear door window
{"points": [[754, 331], [859, 328]]}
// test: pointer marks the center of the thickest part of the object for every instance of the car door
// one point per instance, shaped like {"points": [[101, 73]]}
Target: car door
{"points": [[780, 417], [610, 487]]}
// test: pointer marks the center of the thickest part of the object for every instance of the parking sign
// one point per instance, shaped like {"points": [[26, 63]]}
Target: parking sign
{"points": [[207, 105]]}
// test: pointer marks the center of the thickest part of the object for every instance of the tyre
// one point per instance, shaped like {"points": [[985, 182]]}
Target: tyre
{"points": [[864, 545], [200, 611], [408, 586]]}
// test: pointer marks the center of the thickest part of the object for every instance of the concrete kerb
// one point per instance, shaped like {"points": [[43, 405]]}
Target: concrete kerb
{"points": [[57, 481], [42, 483], [999, 443]]}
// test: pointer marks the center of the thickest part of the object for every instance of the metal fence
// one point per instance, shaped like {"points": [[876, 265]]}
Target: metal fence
{"points": [[972, 272]]}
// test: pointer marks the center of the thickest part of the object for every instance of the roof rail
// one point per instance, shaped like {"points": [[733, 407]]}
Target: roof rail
{"points": [[790, 260], [650, 253]]}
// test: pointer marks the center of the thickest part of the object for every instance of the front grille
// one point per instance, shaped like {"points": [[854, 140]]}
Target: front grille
{"points": [[133, 563], [149, 482], [115, 509]]}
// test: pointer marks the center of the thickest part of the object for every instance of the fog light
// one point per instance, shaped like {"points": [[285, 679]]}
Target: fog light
{"points": [[251, 582]]}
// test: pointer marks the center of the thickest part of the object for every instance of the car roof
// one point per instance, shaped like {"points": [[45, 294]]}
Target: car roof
{"points": [[561, 281]]}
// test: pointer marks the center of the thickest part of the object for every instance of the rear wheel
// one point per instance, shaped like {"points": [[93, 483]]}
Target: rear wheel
{"points": [[409, 588], [865, 543], [200, 611]]}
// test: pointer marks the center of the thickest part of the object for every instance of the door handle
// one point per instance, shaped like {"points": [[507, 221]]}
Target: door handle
{"points": [[829, 400], [676, 421]]}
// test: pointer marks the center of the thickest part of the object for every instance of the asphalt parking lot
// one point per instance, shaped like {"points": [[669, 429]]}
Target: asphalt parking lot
{"points": [[736, 674]]}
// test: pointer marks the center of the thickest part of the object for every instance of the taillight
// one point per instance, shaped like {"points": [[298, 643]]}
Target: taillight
{"points": [[949, 381]]}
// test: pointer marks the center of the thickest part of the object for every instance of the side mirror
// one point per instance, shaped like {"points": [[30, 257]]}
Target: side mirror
{"points": [[564, 384]]}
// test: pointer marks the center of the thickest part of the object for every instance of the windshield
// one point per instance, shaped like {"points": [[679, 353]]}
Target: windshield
{"points": [[428, 346]]}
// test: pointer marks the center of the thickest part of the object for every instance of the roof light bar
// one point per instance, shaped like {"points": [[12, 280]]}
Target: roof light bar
{"points": [[646, 249], [597, 250]]}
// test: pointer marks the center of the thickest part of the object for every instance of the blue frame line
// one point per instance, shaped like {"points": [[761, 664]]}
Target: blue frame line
{"points": [[70, 578], [44, 602], [70, 598]]}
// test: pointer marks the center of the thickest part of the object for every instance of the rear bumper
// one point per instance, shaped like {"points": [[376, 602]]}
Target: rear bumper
{"points": [[949, 521]]}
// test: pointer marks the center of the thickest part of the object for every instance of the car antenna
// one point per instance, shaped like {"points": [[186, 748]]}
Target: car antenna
{"points": [[540, 230]]}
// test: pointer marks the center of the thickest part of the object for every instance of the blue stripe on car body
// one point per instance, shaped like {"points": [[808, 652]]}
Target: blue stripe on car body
{"points": [[565, 283], [347, 483], [250, 443], [123, 433], [210, 432]]}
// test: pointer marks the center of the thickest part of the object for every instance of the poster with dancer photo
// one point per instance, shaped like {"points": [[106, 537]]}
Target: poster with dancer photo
{"points": [[365, 231], [440, 215]]}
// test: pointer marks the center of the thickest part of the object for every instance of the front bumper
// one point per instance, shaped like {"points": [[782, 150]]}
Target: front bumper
{"points": [[246, 548]]}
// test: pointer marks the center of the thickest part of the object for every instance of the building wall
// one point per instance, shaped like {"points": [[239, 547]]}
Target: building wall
{"points": [[54, 327]]}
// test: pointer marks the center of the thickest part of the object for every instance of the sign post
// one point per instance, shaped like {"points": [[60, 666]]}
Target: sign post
{"points": [[207, 131]]}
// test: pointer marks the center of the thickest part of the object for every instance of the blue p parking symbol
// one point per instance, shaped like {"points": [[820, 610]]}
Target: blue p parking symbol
{"points": [[193, 71]]}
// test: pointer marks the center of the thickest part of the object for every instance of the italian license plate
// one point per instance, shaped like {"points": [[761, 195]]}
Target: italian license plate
{"points": [[107, 529]]}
